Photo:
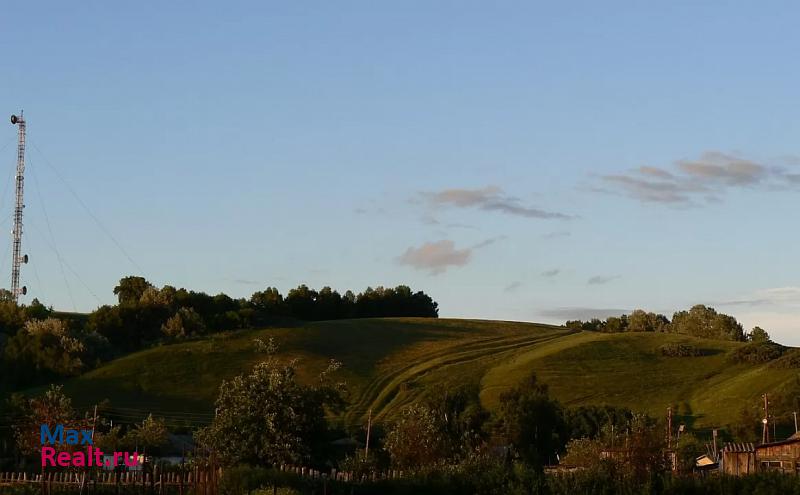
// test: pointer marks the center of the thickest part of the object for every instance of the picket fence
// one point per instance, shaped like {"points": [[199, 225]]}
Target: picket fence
{"points": [[342, 476], [203, 481], [190, 481]]}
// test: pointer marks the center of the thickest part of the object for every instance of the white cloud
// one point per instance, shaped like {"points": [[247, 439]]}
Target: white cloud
{"points": [[437, 256]]}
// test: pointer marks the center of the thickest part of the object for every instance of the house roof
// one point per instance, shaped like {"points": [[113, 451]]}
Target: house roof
{"points": [[739, 447], [704, 461], [792, 439]]}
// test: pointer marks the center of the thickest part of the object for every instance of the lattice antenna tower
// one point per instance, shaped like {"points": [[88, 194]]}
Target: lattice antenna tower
{"points": [[17, 258]]}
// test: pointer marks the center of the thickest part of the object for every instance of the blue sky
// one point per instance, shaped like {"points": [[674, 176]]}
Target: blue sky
{"points": [[516, 160]]}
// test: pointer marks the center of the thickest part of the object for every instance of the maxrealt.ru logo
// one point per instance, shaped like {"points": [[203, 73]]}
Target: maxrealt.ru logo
{"points": [[68, 437]]}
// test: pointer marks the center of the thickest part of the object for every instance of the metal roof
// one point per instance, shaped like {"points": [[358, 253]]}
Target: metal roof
{"points": [[739, 447], [792, 439]]}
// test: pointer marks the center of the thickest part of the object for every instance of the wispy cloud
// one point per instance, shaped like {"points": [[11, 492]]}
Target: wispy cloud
{"points": [[490, 198], [775, 309], [551, 273], [721, 168], [581, 313], [488, 242], [778, 296], [436, 257], [602, 279], [513, 286], [556, 235], [460, 226], [429, 220], [699, 181]]}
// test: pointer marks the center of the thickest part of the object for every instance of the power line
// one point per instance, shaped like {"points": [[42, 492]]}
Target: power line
{"points": [[52, 237], [85, 285], [5, 189], [40, 286], [7, 143], [88, 210], [5, 256]]}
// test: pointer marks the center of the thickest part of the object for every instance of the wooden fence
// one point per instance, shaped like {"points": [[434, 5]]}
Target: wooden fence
{"points": [[342, 476], [194, 481]]}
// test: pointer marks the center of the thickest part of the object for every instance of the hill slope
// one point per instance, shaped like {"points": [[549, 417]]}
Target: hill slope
{"points": [[392, 362]]}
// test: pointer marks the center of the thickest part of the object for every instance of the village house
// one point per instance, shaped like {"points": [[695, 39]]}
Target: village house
{"points": [[739, 459]]}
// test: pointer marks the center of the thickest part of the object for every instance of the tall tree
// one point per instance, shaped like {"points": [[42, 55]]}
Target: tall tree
{"points": [[532, 422], [51, 408], [703, 321], [267, 417], [758, 334], [415, 439], [130, 289]]}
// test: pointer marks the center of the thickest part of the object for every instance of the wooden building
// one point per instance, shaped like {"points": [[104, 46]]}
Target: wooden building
{"points": [[739, 459], [781, 456]]}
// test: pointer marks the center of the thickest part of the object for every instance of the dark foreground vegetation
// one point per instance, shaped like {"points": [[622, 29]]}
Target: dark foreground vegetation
{"points": [[494, 478], [447, 443], [491, 480], [39, 345]]}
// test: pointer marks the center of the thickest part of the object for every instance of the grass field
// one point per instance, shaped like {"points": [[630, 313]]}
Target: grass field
{"points": [[389, 363]]}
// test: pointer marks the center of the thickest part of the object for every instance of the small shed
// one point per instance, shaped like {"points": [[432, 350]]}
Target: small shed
{"points": [[738, 459]]}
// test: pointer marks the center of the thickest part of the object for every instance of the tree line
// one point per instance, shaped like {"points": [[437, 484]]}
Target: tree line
{"points": [[699, 321], [40, 345]]}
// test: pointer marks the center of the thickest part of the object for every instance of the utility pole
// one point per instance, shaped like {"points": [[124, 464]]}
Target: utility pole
{"points": [[94, 426], [369, 427], [669, 427], [765, 421], [16, 257], [714, 436], [612, 435]]}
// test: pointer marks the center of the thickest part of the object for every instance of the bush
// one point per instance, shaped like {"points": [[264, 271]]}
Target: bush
{"points": [[789, 360], [681, 350], [490, 476], [242, 479], [758, 352]]}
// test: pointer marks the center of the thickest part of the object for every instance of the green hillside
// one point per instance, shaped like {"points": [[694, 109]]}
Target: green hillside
{"points": [[392, 362]]}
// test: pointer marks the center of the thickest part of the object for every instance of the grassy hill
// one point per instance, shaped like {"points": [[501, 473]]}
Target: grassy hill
{"points": [[392, 362]]}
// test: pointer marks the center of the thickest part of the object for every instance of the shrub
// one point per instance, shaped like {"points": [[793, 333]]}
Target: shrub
{"points": [[681, 350], [789, 360], [758, 352]]}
